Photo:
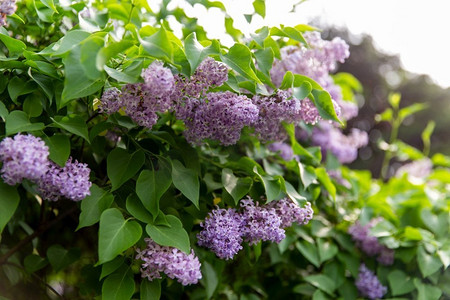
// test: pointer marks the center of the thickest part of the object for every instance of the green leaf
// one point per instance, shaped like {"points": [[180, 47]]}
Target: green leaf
{"points": [[15, 47], [186, 180], [9, 201], [400, 283], [137, 210], [265, 58], [158, 45], [196, 53], [60, 258], [289, 32], [235, 186], [428, 264], [209, 279], [120, 76], [288, 80], [151, 185], [59, 148], [303, 90], [394, 100], [46, 83], [17, 121], [33, 105], [412, 109], [271, 185], [326, 249], [119, 285], [69, 41], [33, 263], [173, 236], [322, 282], [309, 251], [235, 33], [239, 58], [351, 262], [77, 83], [18, 87], [50, 4], [116, 234], [122, 166], [111, 266], [93, 206], [73, 123], [272, 44], [324, 105], [293, 194], [150, 290], [89, 50], [426, 291], [426, 137], [260, 7], [106, 53], [323, 177]]}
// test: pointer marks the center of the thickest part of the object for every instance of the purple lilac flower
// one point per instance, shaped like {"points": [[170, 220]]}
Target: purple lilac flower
{"points": [[419, 169], [262, 223], [290, 212], [369, 244], [71, 181], [221, 118], [316, 62], [7, 8], [111, 101], [222, 232], [169, 260], [211, 73], [368, 284], [23, 157], [283, 149], [273, 110], [345, 148], [159, 81]]}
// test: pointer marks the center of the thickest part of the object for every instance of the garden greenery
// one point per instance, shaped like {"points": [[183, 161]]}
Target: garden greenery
{"points": [[138, 163]]}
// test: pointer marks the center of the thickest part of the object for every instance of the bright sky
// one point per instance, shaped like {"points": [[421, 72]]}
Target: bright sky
{"points": [[418, 30]]}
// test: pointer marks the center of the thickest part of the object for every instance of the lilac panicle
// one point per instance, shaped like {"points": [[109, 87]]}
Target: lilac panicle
{"points": [[159, 81], [290, 212], [369, 244], [368, 284], [273, 110], [222, 232], [71, 181], [23, 157], [210, 73], [111, 101], [169, 260], [221, 117], [261, 223], [7, 8], [344, 147]]}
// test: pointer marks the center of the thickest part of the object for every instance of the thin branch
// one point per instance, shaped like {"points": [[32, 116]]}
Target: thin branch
{"points": [[40, 230], [38, 278]]}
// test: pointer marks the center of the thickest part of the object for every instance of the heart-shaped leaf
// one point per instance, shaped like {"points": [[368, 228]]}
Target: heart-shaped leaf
{"points": [[173, 236], [235, 186], [116, 234], [121, 166]]}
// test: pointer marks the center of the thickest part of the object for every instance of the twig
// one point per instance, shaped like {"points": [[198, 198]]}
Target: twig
{"points": [[40, 230]]}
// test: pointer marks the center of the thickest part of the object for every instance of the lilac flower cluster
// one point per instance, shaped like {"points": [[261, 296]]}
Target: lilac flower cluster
{"points": [[369, 244], [23, 157], [225, 229], [71, 181], [169, 260], [283, 149], [344, 147], [368, 284], [26, 157], [273, 110], [221, 117], [261, 223], [418, 169], [142, 101], [316, 62], [7, 8], [222, 232]]}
